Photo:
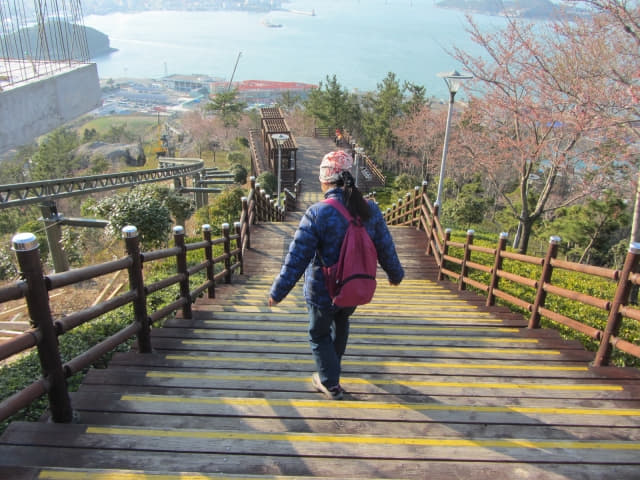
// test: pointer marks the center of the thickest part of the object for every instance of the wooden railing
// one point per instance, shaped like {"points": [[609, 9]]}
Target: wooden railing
{"points": [[256, 164], [378, 177], [487, 264], [35, 286], [323, 131], [291, 197]]}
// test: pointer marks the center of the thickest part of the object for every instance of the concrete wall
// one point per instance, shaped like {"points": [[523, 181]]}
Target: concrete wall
{"points": [[41, 106]]}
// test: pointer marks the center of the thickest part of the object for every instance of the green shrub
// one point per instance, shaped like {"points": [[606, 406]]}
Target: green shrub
{"points": [[23, 371], [268, 182]]}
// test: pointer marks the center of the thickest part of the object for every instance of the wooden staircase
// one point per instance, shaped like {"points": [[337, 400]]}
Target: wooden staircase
{"points": [[439, 386]]}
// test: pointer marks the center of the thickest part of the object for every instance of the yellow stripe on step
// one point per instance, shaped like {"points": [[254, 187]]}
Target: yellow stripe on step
{"points": [[199, 331], [138, 475], [364, 439], [356, 405], [372, 326], [386, 363], [409, 383], [403, 348]]}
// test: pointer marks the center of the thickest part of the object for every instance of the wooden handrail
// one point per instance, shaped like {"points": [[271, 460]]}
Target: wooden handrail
{"points": [[35, 288], [482, 268]]}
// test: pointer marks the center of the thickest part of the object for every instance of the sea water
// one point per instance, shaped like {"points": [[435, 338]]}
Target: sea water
{"points": [[359, 41]]}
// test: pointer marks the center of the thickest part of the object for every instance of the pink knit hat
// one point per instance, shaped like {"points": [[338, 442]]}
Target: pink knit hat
{"points": [[332, 164]]}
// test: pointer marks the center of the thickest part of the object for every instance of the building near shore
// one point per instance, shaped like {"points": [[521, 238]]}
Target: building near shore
{"points": [[264, 92], [189, 83]]}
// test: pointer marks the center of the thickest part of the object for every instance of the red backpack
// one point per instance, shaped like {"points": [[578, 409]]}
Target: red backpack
{"points": [[352, 280]]}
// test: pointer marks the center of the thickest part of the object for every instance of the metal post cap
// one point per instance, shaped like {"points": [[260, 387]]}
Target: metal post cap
{"points": [[634, 247], [225, 225], [178, 230], [129, 231], [448, 230], [471, 232], [206, 227], [504, 234], [23, 242], [555, 239], [236, 224]]}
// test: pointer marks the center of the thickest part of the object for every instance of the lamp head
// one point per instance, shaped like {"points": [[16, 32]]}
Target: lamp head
{"points": [[454, 80]]}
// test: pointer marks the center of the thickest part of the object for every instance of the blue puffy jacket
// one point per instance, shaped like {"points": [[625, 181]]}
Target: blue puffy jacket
{"points": [[320, 234]]}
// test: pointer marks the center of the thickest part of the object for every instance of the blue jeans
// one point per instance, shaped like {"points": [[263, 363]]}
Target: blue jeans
{"points": [[328, 334]]}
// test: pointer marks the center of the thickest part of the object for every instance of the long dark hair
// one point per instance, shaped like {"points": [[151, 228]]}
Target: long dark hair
{"points": [[352, 197]]}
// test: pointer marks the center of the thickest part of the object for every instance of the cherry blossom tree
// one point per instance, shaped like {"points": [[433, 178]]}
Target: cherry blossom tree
{"points": [[205, 130], [526, 122], [420, 134], [617, 59]]}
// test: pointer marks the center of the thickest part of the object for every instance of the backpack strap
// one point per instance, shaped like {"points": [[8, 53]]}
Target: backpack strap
{"points": [[340, 207]]}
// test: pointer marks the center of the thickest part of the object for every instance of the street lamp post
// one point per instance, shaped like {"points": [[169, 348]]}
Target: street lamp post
{"points": [[453, 81], [279, 138], [359, 151]]}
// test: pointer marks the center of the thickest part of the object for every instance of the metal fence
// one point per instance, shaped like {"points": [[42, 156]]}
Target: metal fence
{"points": [[40, 38]]}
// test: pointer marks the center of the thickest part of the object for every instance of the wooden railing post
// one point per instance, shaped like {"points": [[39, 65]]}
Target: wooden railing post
{"points": [[545, 277], [415, 214], [53, 229], [227, 252], [238, 230], [136, 284], [257, 200], [433, 231], [497, 265], [198, 195], [445, 250], [267, 209], [245, 214], [465, 258], [208, 253], [620, 298], [408, 204], [181, 265], [37, 296]]}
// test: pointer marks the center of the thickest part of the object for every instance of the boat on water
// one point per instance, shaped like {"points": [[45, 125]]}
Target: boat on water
{"points": [[269, 24], [312, 13]]}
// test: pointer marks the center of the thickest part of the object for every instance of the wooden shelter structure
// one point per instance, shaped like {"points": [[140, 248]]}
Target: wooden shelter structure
{"points": [[272, 123]]}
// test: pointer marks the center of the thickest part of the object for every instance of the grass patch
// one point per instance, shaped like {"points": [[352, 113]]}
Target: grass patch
{"points": [[137, 125]]}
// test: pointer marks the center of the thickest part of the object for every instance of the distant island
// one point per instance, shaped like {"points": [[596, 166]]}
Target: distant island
{"points": [[97, 42], [531, 9], [103, 7]]}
